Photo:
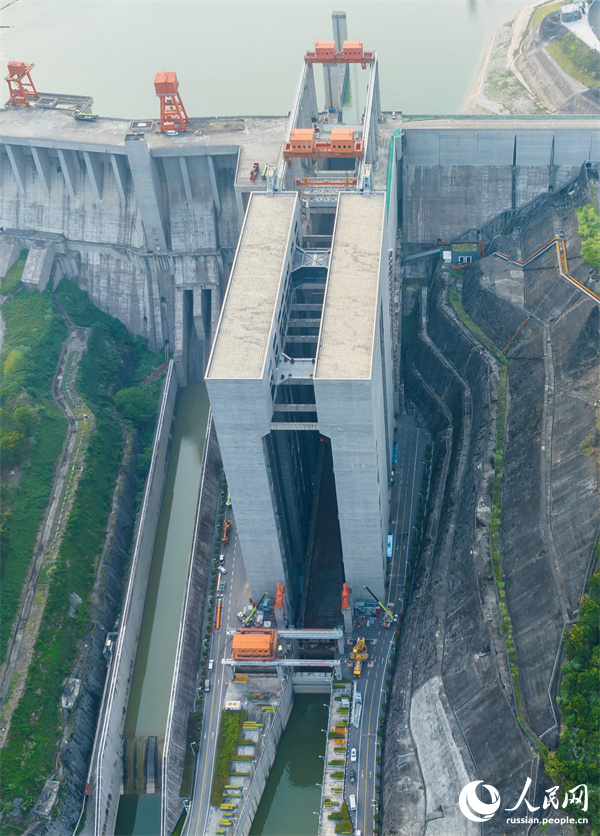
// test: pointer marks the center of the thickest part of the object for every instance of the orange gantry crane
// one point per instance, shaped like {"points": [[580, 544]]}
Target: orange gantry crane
{"points": [[304, 144], [20, 84], [173, 116], [352, 53]]}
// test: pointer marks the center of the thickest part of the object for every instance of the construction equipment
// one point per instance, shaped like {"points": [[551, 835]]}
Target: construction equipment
{"points": [[173, 116], [226, 528], [357, 668], [383, 607], [85, 117], [359, 651], [20, 84], [254, 608], [254, 172]]}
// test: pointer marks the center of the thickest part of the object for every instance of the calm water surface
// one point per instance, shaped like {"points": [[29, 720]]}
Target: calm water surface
{"points": [[244, 57], [292, 794]]}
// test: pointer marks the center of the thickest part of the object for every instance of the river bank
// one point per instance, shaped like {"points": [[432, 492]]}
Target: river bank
{"points": [[519, 75]]}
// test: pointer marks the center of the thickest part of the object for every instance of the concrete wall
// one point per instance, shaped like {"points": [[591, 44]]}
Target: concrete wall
{"points": [[265, 762], [132, 228], [459, 179], [242, 412], [189, 646], [106, 766], [348, 414]]}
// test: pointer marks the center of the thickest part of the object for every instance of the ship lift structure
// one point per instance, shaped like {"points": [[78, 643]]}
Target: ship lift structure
{"points": [[316, 143]]}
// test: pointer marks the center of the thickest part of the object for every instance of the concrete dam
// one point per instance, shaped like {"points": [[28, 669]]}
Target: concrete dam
{"points": [[148, 221]]}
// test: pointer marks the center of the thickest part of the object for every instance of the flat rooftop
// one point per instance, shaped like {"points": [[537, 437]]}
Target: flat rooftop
{"points": [[246, 320], [350, 306]]}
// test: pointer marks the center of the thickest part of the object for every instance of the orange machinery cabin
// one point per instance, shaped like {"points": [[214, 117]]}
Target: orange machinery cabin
{"points": [[254, 644], [352, 53], [304, 144]]}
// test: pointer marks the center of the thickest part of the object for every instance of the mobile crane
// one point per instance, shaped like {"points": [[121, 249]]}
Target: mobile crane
{"points": [[254, 608], [389, 614], [359, 651]]}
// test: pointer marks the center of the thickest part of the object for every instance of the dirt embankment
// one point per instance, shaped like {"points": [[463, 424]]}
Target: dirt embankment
{"points": [[519, 76]]}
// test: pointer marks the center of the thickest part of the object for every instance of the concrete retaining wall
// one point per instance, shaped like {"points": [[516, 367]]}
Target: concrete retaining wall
{"points": [[106, 765], [189, 647], [265, 762]]}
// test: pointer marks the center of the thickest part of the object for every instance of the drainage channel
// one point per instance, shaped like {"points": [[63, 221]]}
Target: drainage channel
{"points": [[146, 719]]}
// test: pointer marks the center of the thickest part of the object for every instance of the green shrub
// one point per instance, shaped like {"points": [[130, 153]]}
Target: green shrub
{"points": [[575, 761], [12, 281], [589, 231], [230, 731]]}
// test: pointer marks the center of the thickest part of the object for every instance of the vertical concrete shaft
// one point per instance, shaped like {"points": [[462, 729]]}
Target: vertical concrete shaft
{"points": [[145, 183], [347, 614], [213, 183]]}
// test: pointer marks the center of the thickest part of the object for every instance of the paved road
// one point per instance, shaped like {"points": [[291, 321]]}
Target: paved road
{"points": [[594, 17], [411, 443], [235, 596]]}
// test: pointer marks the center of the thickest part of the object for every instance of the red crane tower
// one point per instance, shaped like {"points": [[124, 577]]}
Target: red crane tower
{"points": [[172, 112], [20, 84]]}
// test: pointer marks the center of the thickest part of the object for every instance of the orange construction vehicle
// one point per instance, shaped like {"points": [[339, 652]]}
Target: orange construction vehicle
{"points": [[226, 528], [254, 644]]}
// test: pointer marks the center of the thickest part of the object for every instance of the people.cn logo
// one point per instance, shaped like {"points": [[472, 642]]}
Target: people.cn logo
{"points": [[470, 804]]}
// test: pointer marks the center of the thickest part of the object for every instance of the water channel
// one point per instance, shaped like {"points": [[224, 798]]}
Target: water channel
{"points": [[293, 792], [139, 815]]}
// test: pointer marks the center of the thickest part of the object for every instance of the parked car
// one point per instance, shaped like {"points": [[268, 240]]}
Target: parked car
{"points": [[211, 664], [222, 570], [352, 776], [353, 756]]}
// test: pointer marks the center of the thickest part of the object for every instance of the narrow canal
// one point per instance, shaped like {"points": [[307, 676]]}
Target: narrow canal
{"points": [[139, 815], [292, 796]]}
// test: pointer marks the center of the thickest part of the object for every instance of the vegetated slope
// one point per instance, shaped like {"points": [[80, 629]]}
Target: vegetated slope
{"points": [[575, 761], [85, 588], [32, 432], [455, 712]]}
